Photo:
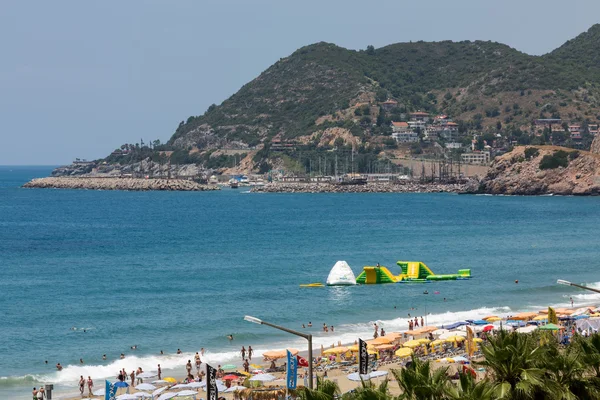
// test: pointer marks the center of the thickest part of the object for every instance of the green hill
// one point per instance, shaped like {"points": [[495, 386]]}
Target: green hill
{"points": [[484, 86]]}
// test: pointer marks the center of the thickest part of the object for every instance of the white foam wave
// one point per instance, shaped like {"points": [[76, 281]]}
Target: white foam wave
{"points": [[584, 297]]}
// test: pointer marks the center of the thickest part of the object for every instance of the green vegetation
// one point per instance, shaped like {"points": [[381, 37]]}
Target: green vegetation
{"points": [[518, 367], [531, 152], [559, 158]]}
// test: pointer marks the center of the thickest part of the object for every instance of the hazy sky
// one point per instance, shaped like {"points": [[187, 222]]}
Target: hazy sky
{"points": [[79, 78]]}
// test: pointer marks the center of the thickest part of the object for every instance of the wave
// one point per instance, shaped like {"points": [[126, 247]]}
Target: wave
{"points": [[585, 297]]}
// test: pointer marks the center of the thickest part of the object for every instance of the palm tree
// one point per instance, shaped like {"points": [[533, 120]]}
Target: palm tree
{"points": [[515, 360], [590, 349], [369, 391], [469, 389], [418, 381], [326, 390], [566, 374]]}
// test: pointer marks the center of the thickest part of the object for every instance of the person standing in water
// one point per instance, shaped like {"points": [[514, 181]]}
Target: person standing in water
{"points": [[132, 376], [250, 352], [243, 353], [81, 384], [159, 372], [90, 383]]}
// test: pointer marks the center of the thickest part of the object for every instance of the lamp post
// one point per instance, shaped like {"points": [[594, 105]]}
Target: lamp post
{"points": [[567, 283], [304, 335]]}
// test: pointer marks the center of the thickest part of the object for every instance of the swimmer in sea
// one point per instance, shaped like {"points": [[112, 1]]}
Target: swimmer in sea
{"points": [[104, 357], [134, 347], [230, 337]]}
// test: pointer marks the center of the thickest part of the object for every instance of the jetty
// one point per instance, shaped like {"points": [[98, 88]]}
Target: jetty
{"points": [[133, 184]]}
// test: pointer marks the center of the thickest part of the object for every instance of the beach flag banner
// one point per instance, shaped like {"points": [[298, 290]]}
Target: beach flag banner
{"points": [[552, 318], [302, 362], [470, 347], [363, 358], [212, 393], [110, 391], [292, 370]]}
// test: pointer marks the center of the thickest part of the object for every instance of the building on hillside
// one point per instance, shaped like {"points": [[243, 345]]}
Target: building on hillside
{"points": [[406, 137], [440, 119], [547, 122], [593, 129], [477, 157], [417, 124], [389, 104], [419, 116], [432, 132], [399, 126], [453, 145], [449, 131]]}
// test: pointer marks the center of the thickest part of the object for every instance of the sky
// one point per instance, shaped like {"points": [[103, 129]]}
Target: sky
{"points": [[80, 78]]}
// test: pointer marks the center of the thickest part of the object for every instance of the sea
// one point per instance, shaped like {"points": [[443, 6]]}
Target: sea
{"points": [[87, 273]]}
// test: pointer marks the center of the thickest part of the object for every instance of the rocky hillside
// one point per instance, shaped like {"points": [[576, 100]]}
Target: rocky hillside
{"points": [[536, 170], [479, 83]]}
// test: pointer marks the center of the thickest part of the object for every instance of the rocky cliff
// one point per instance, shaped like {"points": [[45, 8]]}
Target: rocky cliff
{"points": [[537, 170]]}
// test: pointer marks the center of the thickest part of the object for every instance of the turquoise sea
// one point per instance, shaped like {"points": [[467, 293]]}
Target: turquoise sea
{"points": [[180, 270]]}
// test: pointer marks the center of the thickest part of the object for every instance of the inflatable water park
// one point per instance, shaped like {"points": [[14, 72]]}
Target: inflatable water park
{"points": [[410, 272]]}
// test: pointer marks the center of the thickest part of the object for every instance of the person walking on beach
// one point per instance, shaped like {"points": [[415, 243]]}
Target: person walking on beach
{"points": [[422, 324], [159, 372], [571, 301], [90, 385], [250, 352], [132, 376], [188, 366], [81, 384], [243, 353], [246, 366], [40, 394], [198, 364]]}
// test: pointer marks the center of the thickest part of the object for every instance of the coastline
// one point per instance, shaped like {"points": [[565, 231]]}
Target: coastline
{"points": [[371, 187], [130, 184]]}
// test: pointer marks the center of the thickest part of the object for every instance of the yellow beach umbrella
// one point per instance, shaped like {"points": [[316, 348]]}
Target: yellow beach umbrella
{"points": [[403, 352], [540, 318], [412, 344], [336, 350], [382, 340], [436, 342], [477, 340], [455, 339], [423, 341], [170, 379]]}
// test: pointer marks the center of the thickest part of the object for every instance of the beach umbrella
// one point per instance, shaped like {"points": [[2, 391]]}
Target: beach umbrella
{"points": [[549, 327], [411, 344], [230, 377], [452, 334], [167, 396], [423, 340], [228, 366], [147, 375], [126, 396], [145, 386], [382, 340], [170, 379], [540, 318], [527, 329], [354, 348], [393, 335], [159, 391], [489, 316], [180, 386], [493, 319], [235, 388], [196, 385], [187, 393], [336, 350], [438, 332], [488, 328], [120, 384], [143, 395], [263, 378], [355, 376], [477, 340], [454, 339], [160, 382], [403, 352], [384, 347], [377, 374]]}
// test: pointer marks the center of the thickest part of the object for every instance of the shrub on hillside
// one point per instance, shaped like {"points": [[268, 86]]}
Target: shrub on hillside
{"points": [[558, 159], [531, 152]]}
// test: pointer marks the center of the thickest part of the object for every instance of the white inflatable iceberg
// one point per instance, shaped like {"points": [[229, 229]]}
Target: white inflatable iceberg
{"points": [[341, 274]]}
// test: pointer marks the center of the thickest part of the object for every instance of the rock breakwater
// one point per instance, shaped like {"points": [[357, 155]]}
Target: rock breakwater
{"points": [[134, 184], [375, 187]]}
